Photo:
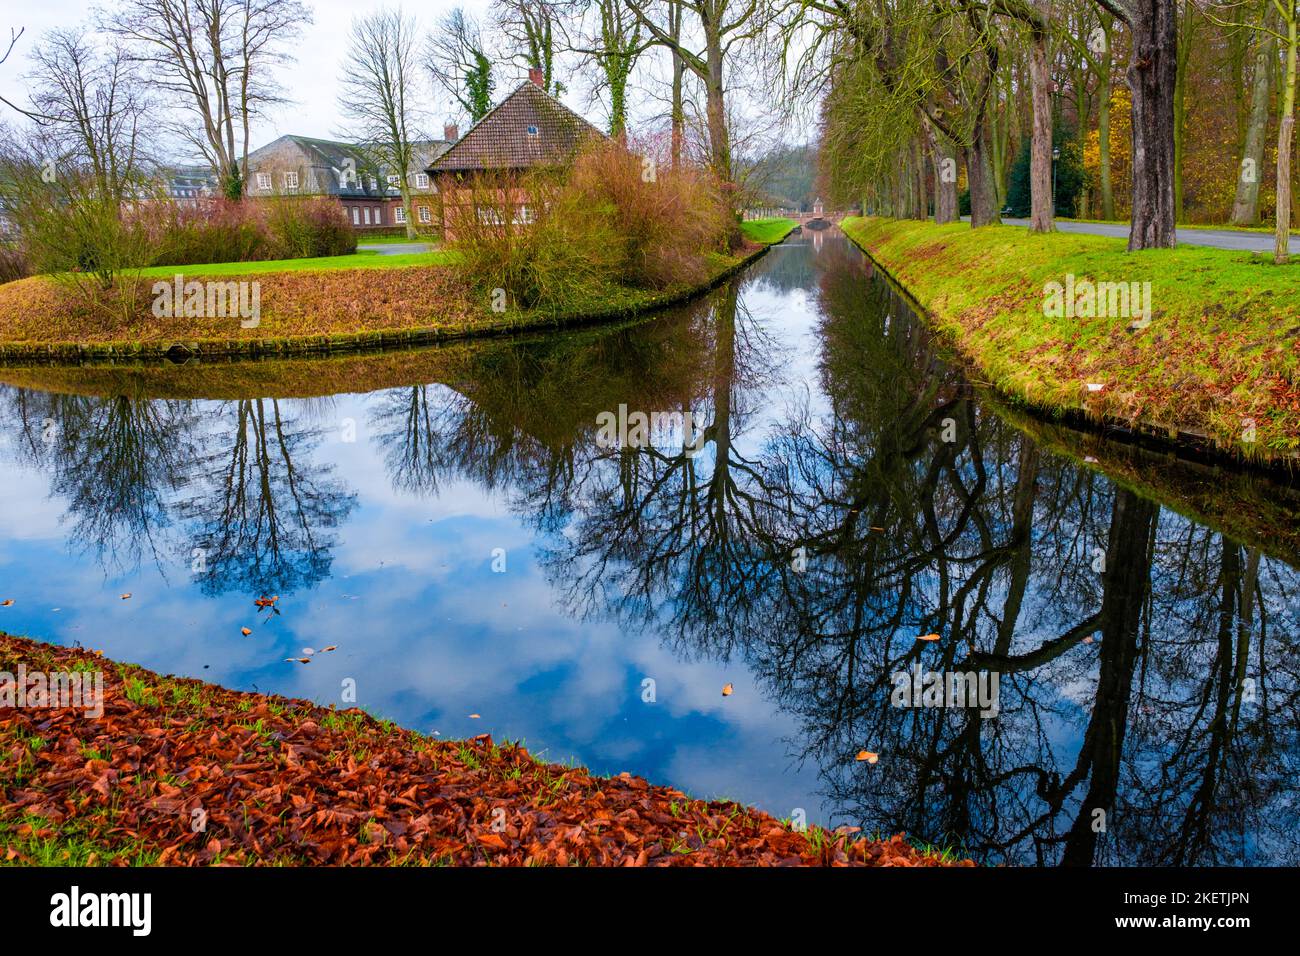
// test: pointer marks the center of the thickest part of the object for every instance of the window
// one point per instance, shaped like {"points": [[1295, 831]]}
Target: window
{"points": [[523, 216], [395, 181], [356, 216], [489, 216], [367, 215], [379, 216], [291, 180], [399, 215], [532, 131], [263, 180], [425, 215], [374, 184], [421, 180]]}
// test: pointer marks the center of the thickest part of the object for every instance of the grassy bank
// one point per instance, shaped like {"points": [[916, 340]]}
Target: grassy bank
{"points": [[178, 772], [1220, 354], [365, 259], [310, 309]]}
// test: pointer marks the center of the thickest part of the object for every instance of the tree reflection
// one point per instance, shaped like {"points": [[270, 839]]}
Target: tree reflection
{"points": [[1146, 715]]}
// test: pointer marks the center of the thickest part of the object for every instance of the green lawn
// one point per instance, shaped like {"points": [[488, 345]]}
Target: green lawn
{"points": [[1182, 226], [366, 259], [767, 231], [1221, 349]]}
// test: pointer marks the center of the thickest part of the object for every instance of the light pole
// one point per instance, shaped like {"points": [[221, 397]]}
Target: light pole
{"points": [[1056, 155]]}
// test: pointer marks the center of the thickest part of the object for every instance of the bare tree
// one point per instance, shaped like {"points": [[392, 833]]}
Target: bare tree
{"points": [[535, 33], [380, 99], [214, 58], [613, 43], [92, 108], [460, 64], [724, 24]]}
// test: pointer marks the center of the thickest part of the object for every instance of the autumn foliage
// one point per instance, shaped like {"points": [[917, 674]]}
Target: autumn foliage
{"points": [[277, 781]]}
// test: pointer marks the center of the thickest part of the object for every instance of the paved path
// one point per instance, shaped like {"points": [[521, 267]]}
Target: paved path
{"points": [[1219, 238], [394, 248]]}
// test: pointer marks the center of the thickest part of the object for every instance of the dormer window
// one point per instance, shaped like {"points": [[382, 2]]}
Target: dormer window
{"points": [[532, 131], [395, 181]]}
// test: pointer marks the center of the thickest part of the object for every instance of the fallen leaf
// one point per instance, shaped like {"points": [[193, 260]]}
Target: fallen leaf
{"points": [[928, 637], [308, 651], [126, 596], [332, 647], [7, 602], [1095, 387], [868, 756], [473, 716], [300, 660], [1088, 639], [727, 691], [245, 631]]}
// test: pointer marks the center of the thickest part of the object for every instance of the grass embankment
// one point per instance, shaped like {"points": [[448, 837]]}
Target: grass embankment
{"points": [[767, 231], [314, 305], [178, 772], [1222, 350], [365, 259]]}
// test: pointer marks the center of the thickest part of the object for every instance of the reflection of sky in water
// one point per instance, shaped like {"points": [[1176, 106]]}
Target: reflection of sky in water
{"points": [[431, 634]]}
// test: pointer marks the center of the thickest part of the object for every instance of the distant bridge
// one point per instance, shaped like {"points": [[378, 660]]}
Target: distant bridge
{"points": [[803, 218]]}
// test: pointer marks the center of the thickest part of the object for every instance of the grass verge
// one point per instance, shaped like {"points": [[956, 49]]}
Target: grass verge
{"points": [[310, 311], [1217, 365], [178, 772]]}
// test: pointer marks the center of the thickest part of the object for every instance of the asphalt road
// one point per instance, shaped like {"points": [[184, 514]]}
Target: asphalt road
{"points": [[394, 248], [1219, 238]]}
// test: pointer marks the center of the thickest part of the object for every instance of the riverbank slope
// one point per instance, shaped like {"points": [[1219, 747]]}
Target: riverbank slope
{"points": [[1215, 361], [179, 772], [312, 310]]}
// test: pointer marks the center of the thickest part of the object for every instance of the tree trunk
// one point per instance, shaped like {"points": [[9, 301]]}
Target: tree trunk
{"points": [[1285, 136], [1180, 105], [679, 72], [1042, 201], [945, 176], [979, 174], [1245, 207], [1103, 132], [715, 106], [1152, 73]]}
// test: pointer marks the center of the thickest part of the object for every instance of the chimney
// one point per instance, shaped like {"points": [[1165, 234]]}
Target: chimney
{"points": [[450, 132], [537, 76]]}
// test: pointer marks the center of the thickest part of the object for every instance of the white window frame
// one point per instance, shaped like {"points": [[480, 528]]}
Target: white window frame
{"points": [[356, 216], [421, 180], [291, 179], [399, 215], [395, 181], [366, 214], [263, 181], [426, 215]]}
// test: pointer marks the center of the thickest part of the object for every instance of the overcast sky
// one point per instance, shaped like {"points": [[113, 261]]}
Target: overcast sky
{"points": [[312, 80]]}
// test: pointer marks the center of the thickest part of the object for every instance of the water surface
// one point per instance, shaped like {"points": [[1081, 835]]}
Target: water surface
{"points": [[451, 520]]}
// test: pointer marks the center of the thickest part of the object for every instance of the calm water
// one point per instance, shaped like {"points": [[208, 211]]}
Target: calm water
{"points": [[451, 520]]}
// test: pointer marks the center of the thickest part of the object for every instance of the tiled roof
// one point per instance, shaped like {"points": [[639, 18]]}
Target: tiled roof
{"points": [[528, 128], [332, 155]]}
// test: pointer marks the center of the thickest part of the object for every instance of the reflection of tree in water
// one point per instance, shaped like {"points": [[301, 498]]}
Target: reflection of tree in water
{"points": [[117, 460], [264, 512], [983, 540]]}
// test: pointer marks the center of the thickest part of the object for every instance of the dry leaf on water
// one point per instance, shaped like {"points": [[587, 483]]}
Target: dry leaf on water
{"points": [[728, 690], [867, 756], [245, 631], [7, 602], [126, 596], [928, 637]]}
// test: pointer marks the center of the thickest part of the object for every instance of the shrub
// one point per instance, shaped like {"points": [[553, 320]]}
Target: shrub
{"points": [[307, 227], [568, 252], [667, 218], [213, 230], [13, 262], [614, 219]]}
